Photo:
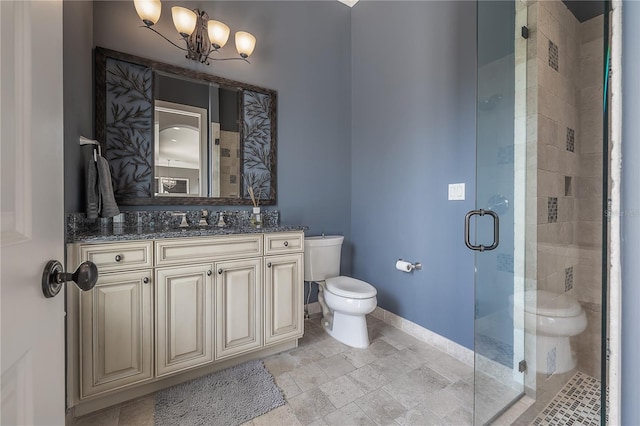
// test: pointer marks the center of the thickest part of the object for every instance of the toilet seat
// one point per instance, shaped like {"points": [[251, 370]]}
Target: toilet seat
{"points": [[551, 304], [350, 288]]}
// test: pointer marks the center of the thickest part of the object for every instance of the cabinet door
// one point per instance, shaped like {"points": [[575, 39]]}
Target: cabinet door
{"points": [[284, 318], [116, 332], [238, 306], [184, 315]]}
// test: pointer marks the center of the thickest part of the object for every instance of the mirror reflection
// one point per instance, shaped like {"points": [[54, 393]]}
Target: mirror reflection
{"points": [[180, 149]]}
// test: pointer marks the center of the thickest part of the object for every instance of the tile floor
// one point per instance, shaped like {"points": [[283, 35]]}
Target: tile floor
{"points": [[398, 380]]}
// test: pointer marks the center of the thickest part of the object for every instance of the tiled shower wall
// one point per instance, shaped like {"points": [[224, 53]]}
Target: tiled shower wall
{"points": [[565, 101], [229, 164]]}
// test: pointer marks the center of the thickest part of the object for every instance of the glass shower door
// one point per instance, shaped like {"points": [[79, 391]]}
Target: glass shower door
{"points": [[496, 229]]}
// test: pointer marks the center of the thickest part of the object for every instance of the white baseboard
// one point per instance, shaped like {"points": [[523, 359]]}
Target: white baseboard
{"points": [[450, 347]]}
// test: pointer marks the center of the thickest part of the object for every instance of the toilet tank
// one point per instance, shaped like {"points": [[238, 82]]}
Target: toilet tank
{"points": [[322, 257]]}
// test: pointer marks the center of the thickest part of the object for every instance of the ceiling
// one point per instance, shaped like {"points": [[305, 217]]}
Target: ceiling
{"points": [[349, 3], [584, 10]]}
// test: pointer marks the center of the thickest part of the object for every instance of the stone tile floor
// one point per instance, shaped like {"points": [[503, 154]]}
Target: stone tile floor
{"points": [[398, 380]]}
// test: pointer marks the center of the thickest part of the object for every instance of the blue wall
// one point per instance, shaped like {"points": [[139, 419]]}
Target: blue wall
{"points": [[78, 97], [413, 133], [630, 373], [303, 52]]}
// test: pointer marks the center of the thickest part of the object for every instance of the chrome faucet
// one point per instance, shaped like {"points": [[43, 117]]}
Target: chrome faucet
{"points": [[183, 219], [203, 218]]}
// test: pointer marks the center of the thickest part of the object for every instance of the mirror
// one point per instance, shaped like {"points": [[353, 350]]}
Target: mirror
{"points": [[176, 136]]}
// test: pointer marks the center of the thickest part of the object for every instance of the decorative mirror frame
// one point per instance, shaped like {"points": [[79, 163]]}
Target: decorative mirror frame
{"points": [[121, 150]]}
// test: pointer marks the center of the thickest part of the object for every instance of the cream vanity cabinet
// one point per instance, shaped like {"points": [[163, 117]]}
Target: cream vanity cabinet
{"points": [[165, 308], [284, 317], [116, 318]]}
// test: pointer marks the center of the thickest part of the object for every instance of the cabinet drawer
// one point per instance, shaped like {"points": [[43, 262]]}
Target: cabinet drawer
{"points": [[289, 242], [118, 256], [171, 252]]}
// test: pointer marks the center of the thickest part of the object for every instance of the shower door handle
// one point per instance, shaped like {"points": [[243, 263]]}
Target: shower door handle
{"points": [[496, 230]]}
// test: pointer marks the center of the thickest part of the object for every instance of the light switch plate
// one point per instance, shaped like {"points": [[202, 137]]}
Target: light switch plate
{"points": [[456, 191]]}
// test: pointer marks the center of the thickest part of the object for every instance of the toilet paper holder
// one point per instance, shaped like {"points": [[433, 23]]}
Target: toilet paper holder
{"points": [[404, 266]]}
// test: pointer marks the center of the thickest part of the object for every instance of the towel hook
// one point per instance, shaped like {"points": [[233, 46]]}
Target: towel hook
{"points": [[86, 141]]}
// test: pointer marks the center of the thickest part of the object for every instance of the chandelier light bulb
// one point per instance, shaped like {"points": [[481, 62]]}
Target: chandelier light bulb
{"points": [[148, 11], [218, 33], [245, 43], [184, 20]]}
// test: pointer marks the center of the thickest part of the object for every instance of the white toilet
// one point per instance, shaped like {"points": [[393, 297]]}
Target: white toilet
{"points": [[345, 301], [555, 318]]}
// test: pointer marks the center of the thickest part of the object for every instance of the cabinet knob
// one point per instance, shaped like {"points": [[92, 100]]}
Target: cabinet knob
{"points": [[118, 258], [286, 243], [209, 273], [269, 265], [145, 280], [220, 271]]}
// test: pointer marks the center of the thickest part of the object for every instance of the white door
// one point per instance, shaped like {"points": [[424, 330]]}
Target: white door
{"points": [[31, 211]]}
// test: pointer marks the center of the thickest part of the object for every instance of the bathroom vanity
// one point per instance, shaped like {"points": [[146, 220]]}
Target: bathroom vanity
{"points": [[171, 307]]}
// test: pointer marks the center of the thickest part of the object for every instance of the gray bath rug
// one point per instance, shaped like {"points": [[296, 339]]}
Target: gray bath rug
{"points": [[227, 397]]}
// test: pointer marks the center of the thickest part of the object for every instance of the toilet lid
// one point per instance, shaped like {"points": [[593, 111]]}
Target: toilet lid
{"points": [[551, 304], [350, 287]]}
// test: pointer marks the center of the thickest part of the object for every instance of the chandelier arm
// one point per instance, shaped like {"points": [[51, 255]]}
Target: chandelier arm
{"points": [[226, 59], [161, 35]]}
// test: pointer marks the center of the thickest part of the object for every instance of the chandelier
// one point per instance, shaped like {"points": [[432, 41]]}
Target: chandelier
{"points": [[169, 182], [203, 37]]}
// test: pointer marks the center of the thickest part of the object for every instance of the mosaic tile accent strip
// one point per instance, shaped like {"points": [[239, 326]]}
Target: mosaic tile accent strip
{"points": [[553, 55], [571, 137], [568, 278], [551, 362], [552, 209], [505, 262], [578, 403], [494, 349]]}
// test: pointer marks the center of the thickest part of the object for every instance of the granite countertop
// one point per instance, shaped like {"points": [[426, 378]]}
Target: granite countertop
{"points": [[116, 233]]}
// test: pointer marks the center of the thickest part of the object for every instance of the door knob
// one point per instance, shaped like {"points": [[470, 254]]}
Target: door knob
{"points": [[53, 276]]}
